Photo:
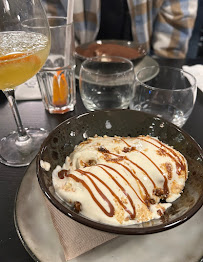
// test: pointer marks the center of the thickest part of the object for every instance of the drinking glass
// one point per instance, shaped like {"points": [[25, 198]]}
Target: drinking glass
{"points": [[106, 82], [56, 79], [167, 92], [23, 51]]}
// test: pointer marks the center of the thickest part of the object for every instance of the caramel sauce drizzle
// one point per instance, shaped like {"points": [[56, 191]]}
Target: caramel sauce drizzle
{"points": [[166, 189], [138, 165], [180, 165], [64, 172], [111, 212], [123, 190], [142, 169], [111, 191], [140, 182], [126, 158], [124, 180]]}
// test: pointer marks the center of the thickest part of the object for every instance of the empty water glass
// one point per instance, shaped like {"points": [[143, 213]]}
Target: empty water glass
{"points": [[106, 82], [166, 92]]}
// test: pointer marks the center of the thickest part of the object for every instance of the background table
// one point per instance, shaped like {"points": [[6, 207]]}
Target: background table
{"points": [[34, 115]]}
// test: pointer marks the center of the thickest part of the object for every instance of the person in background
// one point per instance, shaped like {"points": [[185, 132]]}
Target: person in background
{"points": [[163, 27], [54, 8]]}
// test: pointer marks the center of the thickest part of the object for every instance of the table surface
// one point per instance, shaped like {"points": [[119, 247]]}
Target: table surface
{"points": [[34, 115]]}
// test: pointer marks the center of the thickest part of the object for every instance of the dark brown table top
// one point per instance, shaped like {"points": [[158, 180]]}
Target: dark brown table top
{"points": [[33, 114]]}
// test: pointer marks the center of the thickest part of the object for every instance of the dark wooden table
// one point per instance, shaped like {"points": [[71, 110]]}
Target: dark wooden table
{"points": [[34, 115]]}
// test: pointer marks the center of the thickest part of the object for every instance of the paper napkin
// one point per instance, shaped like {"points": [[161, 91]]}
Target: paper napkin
{"points": [[28, 90], [76, 238], [197, 72]]}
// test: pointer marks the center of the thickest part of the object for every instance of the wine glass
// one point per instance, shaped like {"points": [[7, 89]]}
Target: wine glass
{"points": [[23, 51]]}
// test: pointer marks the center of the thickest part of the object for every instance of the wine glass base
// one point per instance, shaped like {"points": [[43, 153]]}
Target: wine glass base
{"points": [[18, 153]]}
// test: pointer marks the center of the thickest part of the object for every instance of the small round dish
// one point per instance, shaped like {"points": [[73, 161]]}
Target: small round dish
{"points": [[66, 136], [126, 49]]}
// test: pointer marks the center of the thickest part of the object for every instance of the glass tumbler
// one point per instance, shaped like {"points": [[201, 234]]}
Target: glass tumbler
{"points": [[166, 92], [57, 77], [106, 82]]}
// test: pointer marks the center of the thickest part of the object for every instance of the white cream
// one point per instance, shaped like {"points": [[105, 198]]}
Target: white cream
{"points": [[45, 165], [120, 181]]}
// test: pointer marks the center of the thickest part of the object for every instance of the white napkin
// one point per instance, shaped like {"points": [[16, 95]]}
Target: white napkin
{"points": [[197, 72], [28, 90]]}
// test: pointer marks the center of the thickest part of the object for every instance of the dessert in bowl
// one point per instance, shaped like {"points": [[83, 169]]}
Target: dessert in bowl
{"points": [[121, 180], [121, 126]]}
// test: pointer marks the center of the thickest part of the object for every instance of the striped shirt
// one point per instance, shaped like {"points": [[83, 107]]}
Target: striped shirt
{"points": [[165, 26]]}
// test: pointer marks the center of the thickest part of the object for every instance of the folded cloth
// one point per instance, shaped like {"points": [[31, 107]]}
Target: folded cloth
{"points": [[197, 72], [28, 90], [76, 238]]}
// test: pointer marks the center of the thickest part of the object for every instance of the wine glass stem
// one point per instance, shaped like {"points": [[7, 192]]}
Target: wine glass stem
{"points": [[20, 129]]}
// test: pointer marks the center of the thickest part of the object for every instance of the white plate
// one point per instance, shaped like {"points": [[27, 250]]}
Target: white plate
{"points": [[38, 235]]}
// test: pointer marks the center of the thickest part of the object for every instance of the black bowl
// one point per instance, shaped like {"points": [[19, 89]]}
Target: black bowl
{"points": [[62, 140]]}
